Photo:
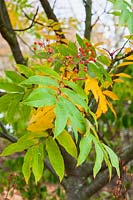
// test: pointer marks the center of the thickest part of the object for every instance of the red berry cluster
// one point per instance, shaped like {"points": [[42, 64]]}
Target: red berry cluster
{"points": [[68, 60], [87, 54], [40, 44]]}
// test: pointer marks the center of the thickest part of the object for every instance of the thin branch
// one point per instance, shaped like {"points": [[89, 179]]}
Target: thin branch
{"points": [[54, 4], [4, 134], [50, 168], [35, 21], [25, 43], [116, 59], [32, 23]]}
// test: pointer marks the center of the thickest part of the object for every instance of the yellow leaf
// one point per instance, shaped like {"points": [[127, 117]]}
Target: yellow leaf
{"points": [[124, 64], [102, 105], [123, 75], [128, 49], [107, 84], [110, 94], [98, 44], [102, 51], [50, 37], [92, 84], [64, 41], [42, 119], [56, 27], [111, 108], [129, 57]]}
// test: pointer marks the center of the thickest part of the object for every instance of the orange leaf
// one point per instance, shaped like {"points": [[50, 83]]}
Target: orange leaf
{"points": [[123, 75], [129, 57], [111, 108], [92, 84], [42, 119], [124, 64], [118, 80], [128, 49], [110, 94]]}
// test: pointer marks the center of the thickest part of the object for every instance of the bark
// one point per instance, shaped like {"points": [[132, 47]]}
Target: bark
{"points": [[51, 15], [77, 187], [9, 35], [88, 11]]}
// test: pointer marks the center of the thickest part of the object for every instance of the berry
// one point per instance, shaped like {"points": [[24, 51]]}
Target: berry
{"points": [[87, 61], [76, 70], [85, 69], [92, 59], [50, 60], [70, 57], [88, 44], [81, 49], [40, 44], [50, 50], [34, 48], [78, 56], [82, 62], [84, 54], [67, 57], [35, 43], [93, 53]]}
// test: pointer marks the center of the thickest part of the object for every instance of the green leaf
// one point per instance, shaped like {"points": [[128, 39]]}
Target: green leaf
{"points": [[18, 147], [99, 157], [27, 164], [124, 17], [104, 59], [38, 161], [42, 80], [25, 70], [9, 104], [13, 107], [85, 147], [41, 97], [80, 41], [67, 142], [30, 135], [14, 76], [72, 49], [55, 157], [61, 118], [114, 159], [76, 118], [47, 71], [107, 161], [5, 102], [130, 23], [77, 89], [75, 98], [10, 87]]}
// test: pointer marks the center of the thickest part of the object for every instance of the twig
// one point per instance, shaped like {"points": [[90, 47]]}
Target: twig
{"points": [[32, 23], [116, 59], [54, 4], [25, 43]]}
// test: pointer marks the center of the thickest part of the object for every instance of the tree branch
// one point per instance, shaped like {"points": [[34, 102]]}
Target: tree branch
{"points": [[88, 10], [9, 35], [4, 134], [32, 22], [103, 178], [51, 15]]}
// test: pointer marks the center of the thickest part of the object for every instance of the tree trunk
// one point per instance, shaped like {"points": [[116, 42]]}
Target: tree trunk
{"points": [[74, 188]]}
